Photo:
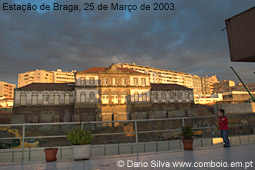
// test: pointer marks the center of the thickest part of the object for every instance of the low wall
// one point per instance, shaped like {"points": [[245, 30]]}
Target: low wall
{"points": [[65, 152]]}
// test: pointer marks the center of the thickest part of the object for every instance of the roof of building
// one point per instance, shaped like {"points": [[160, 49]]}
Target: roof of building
{"points": [[48, 86], [168, 87], [104, 69]]}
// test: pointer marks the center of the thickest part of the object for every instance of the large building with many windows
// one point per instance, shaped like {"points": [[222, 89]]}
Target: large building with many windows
{"points": [[163, 76], [223, 86], [99, 93], [43, 76], [7, 89], [201, 85]]}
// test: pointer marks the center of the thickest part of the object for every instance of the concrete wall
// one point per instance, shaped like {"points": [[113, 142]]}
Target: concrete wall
{"points": [[42, 114], [236, 108]]}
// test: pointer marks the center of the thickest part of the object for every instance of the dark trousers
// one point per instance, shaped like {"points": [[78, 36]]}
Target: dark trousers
{"points": [[224, 135]]}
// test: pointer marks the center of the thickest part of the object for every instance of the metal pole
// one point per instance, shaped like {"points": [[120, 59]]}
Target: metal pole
{"points": [[23, 140], [61, 152], [29, 154], [81, 125], [183, 122], [253, 99], [12, 155], [136, 138]]}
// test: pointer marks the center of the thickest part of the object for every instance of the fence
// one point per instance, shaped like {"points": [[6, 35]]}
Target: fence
{"points": [[137, 132]]}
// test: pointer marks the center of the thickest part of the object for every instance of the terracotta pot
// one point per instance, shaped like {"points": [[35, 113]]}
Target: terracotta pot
{"points": [[51, 154], [188, 144]]}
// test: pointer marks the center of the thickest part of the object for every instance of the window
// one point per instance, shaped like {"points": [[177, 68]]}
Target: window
{"points": [[92, 97], [136, 81], [123, 97], [136, 97], [143, 81], [83, 97], [163, 96], [180, 95], [105, 81], [123, 81], [83, 82], [154, 96], [114, 81], [45, 99], [105, 99], [34, 99], [91, 81], [23, 99], [144, 96], [115, 99], [56, 99], [172, 95], [67, 98], [187, 95]]}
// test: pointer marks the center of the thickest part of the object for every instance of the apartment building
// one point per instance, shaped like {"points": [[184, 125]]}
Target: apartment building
{"points": [[213, 79], [7, 89], [240, 87], [43, 76], [161, 76], [60, 76], [222, 86]]}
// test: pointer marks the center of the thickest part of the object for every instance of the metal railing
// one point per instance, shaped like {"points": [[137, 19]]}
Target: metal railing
{"points": [[135, 133]]}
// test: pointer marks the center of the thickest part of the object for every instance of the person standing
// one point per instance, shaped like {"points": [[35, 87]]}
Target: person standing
{"points": [[223, 123]]}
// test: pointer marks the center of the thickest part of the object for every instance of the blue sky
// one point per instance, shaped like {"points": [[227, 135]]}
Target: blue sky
{"points": [[188, 39]]}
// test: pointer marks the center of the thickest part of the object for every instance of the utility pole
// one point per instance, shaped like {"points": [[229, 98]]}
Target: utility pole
{"points": [[243, 84]]}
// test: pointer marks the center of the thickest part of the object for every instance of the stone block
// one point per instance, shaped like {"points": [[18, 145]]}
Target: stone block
{"points": [[158, 114], [18, 119], [35, 119], [139, 115], [191, 112], [176, 113]]}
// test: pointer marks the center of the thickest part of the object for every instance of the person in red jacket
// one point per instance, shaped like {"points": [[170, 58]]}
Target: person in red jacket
{"points": [[223, 123]]}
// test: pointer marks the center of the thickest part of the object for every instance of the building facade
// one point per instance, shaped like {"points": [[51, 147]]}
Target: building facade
{"points": [[200, 85], [99, 93], [209, 99], [60, 76], [213, 79], [237, 96], [223, 86], [240, 87], [203, 86], [7, 89], [163, 76], [43, 76], [6, 102]]}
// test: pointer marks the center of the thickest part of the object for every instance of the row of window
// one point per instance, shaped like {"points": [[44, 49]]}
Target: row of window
{"points": [[56, 98], [45, 99], [173, 95], [114, 82]]}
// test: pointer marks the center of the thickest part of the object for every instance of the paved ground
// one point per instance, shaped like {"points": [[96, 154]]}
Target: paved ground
{"points": [[209, 157]]}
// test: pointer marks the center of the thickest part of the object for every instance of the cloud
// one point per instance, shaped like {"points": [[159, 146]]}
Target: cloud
{"points": [[188, 39]]}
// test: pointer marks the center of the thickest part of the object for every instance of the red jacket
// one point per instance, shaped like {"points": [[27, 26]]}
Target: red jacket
{"points": [[223, 123]]}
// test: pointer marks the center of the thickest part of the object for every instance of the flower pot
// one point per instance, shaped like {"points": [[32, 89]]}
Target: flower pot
{"points": [[51, 154], [188, 144], [81, 152]]}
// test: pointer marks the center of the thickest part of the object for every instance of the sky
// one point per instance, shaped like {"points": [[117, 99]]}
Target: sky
{"points": [[189, 39]]}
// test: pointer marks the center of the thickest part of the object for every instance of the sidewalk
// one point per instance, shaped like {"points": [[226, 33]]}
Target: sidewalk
{"points": [[160, 160]]}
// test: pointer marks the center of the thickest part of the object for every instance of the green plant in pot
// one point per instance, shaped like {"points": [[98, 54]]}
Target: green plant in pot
{"points": [[187, 134], [81, 141]]}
